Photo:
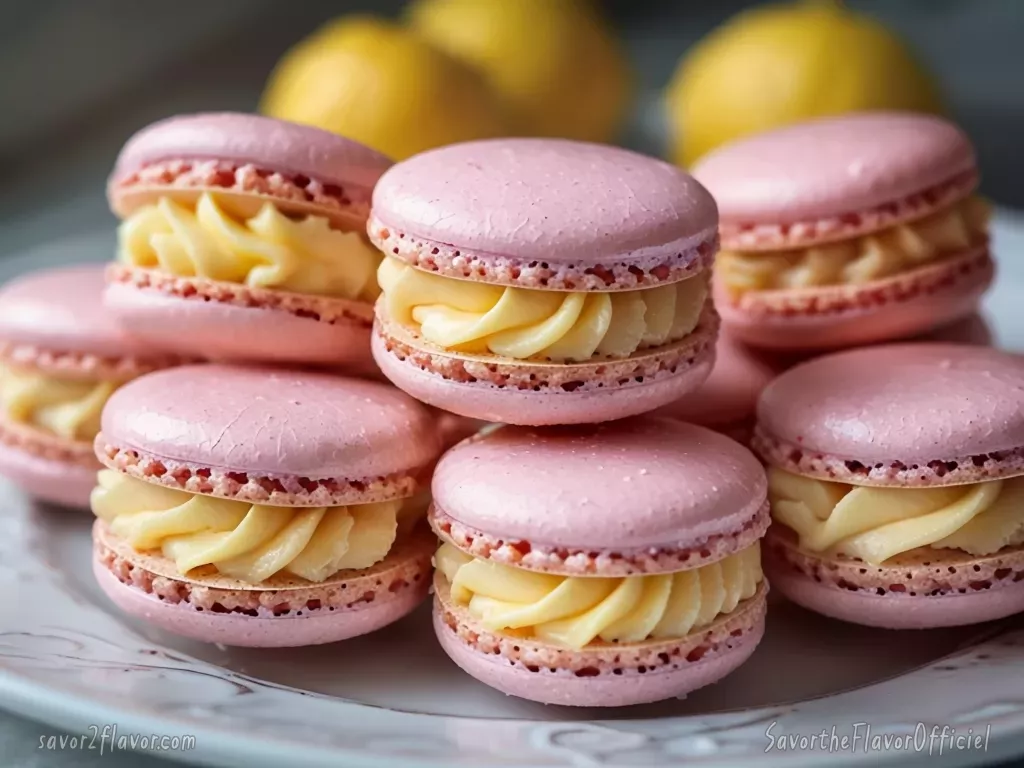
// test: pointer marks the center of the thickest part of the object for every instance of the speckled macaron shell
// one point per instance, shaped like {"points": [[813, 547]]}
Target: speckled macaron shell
{"points": [[837, 316], [269, 436], [54, 321], [612, 675], [835, 178], [638, 496], [238, 323], [921, 589], [898, 415], [728, 397], [545, 213], [284, 612], [532, 392], [247, 159]]}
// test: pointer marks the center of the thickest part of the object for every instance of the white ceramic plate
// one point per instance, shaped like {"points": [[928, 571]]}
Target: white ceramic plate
{"points": [[394, 699]]}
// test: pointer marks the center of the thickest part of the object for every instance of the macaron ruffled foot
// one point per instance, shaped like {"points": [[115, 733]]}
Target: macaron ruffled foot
{"points": [[243, 240], [897, 485], [61, 357], [605, 566], [847, 231], [543, 282], [262, 508]]}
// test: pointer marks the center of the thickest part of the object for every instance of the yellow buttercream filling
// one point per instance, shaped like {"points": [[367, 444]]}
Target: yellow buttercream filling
{"points": [[525, 323], [248, 542], [270, 250], [860, 260], [68, 408], [875, 524], [574, 611]]}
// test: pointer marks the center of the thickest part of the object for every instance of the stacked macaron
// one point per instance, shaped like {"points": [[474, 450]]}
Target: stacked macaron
{"points": [[240, 504], [587, 559], [262, 507], [538, 282], [243, 240], [848, 230], [61, 357], [897, 484], [599, 566]]}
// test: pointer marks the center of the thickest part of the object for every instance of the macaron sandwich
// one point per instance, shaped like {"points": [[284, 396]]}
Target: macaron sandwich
{"points": [[897, 484], [262, 507], [848, 230], [61, 357], [243, 239], [599, 565], [538, 281]]}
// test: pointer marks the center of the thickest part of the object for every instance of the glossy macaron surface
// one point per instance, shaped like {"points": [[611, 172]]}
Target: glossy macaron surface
{"points": [[835, 166], [906, 402], [642, 483], [60, 310], [272, 421], [572, 206]]}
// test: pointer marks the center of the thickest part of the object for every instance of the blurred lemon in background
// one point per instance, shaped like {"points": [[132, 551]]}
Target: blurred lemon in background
{"points": [[782, 64], [383, 85], [556, 63]]}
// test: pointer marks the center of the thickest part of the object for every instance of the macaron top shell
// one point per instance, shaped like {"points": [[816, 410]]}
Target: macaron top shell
{"points": [[833, 167], [904, 402], [61, 310], [645, 482], [273, 422], [264, 142], [548, 200]]}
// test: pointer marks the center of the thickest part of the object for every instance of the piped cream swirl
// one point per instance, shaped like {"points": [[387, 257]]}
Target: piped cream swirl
{"points": [[67, 408], [876, 524], [859, 260], [574, 611], [270, 250], [248, 542], [523, 323]]}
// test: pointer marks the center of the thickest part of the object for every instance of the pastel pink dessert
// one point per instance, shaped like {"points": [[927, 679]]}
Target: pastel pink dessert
{"points": [[896, 482], [243, 240], [61, 356], [848, 230], [727, 400], [602, 565], [537, 281], [262, 507]]}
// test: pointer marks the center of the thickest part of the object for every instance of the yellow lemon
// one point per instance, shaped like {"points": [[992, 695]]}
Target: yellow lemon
{"points": [[556, 63], [782, 64], [382, 85]]}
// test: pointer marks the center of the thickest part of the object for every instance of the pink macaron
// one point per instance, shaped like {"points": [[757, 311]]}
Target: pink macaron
{"points": [[897, 484], [262, 507], [536, 281], [727, 400], [61, 356], [243, 239], [848, 230], [599, 565]]}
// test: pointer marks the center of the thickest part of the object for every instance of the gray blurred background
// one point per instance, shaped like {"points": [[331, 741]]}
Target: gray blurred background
{"points": [[78, 76]]}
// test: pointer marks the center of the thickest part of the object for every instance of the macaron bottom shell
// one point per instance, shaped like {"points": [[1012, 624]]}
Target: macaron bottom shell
{"points": [[388, 591], [50, 480], [217, 330], [957, 289], [511, 405], [688, 663], [974, 594]]}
